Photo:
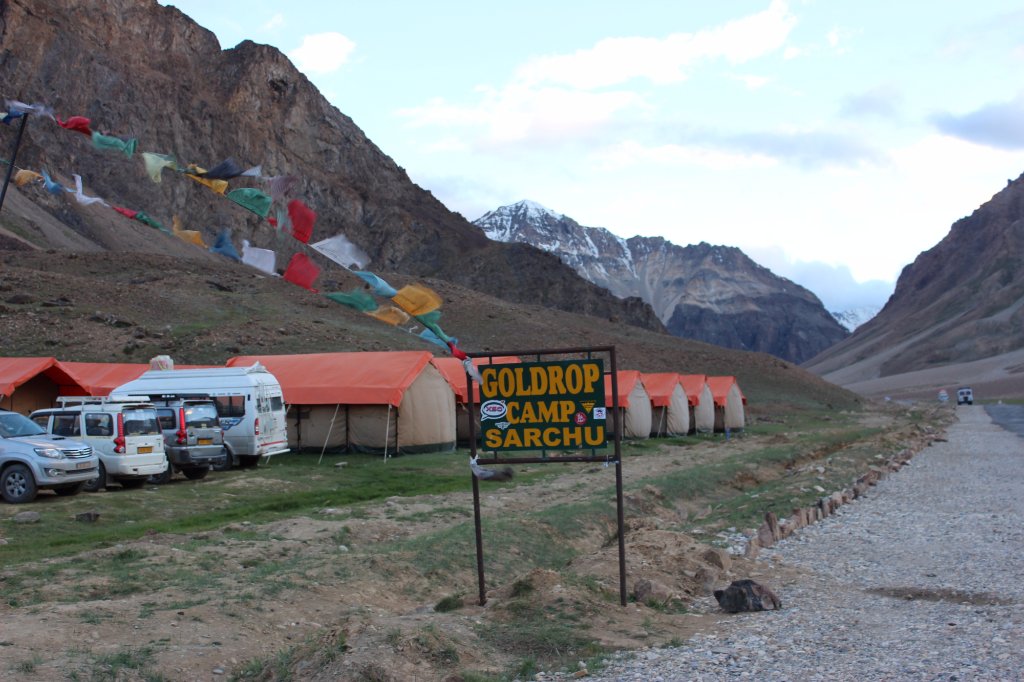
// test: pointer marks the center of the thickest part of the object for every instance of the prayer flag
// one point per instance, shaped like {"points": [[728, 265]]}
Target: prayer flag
{"points": [[223, 245], [155, 163], [417, 299], [252, 199], [261, 259], [25, 176], [389, 315], [110, 143], [225, 170], [346, 254], [80, 124], [379, 286], [302, 271], [302, 218], [357, 298], [51, 186], [190, 236]]}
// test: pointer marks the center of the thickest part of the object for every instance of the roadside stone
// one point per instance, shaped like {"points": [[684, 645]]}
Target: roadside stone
{"points": [[27, 517]]}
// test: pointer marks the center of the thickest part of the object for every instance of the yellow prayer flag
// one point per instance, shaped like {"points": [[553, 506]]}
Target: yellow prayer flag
{"points": [[390, 315], [190, 236], [417, 299], [218, 186], [24, 176]]}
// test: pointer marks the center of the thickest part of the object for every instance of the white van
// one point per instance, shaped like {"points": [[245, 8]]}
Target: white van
{"points": [[249, 401], [123, 431]]}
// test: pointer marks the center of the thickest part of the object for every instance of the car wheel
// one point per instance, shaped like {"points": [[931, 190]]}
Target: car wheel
{"points": [[196, 473], [98, 483], [68, 489], [17, 484], [132, 483], [224, 464], [163, 477]]}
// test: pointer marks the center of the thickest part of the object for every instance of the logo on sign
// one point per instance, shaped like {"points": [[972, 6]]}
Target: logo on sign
{"points": [[580, 418], [599, 413], [493, 409]]}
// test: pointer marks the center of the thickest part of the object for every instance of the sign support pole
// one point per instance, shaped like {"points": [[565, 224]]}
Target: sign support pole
{"points": [[479, 540]]}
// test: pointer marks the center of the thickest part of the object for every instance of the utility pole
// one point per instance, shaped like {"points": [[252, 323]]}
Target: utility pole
{"points": [[14, 155]]}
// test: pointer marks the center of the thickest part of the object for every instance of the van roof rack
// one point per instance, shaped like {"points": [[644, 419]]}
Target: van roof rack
{"points": [[101, 400]]}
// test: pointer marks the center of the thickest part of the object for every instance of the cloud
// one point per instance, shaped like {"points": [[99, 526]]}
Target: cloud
{"points": [[999, 125], [614, 61], [515, 114], [882, 102], [835, 285], [322, 53], [275, 22]]}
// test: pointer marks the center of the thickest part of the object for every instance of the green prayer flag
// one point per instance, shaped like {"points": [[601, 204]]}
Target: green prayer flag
{"points": [[252, 199], [108, 142], [146, 220], [357, 298]]}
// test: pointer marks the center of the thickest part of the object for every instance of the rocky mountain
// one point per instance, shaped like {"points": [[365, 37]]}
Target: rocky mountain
{"points": [[961, 301], [855, 317], [141, 71], [709, 293]]}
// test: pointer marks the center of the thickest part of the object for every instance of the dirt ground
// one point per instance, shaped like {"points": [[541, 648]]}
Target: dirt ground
{"points": [[391, 631]]}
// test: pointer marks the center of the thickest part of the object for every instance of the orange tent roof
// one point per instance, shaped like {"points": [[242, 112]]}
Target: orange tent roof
{"points": [[627, 379], [693, 384], [372, 378], [660, 387], [16, 371], [100, 378], [720, 387], [455, 374]]}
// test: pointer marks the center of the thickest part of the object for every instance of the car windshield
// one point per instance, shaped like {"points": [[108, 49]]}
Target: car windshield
{"points": [[13, 425], [140, 422], [201, 415]]}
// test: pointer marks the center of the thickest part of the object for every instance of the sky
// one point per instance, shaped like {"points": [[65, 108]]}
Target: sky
{"points": [[832, 141]]}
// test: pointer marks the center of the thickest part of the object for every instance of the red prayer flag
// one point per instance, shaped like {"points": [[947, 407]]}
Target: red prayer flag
{"points": [[456, 352], [302, 218], [302, 271], [126, 212], [80, 124]]}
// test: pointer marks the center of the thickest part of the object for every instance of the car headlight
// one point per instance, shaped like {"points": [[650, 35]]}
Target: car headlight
{"points": [[51, 453]]}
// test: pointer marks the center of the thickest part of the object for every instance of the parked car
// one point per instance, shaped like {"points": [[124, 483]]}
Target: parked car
{"points": [[193, 439], [123, 431], [249, 400], [30, 461], [964, 396]]}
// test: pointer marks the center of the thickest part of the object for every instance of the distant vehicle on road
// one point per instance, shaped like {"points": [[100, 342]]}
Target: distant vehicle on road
{"points": [[964, 396]]}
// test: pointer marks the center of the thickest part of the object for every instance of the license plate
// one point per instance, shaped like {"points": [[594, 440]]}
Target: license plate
{"points": [[84, 465], [206, 441], [145, 449]]}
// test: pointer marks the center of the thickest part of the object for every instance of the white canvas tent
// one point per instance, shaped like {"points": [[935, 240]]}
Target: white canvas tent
{"points": [[670, 408], [634, 405], [702, 403], [380, 402]]}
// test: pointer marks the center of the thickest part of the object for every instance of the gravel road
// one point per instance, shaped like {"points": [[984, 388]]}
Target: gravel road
{"points": [[922, 579]]}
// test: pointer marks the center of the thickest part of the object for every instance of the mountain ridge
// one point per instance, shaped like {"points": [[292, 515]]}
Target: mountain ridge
{"points": [[714, 294]]}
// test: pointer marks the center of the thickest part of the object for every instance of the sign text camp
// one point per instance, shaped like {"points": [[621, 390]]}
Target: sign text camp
{"points": [[543, 405]]}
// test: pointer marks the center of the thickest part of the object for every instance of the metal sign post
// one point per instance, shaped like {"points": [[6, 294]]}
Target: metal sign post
{"points": [[562, 404]]}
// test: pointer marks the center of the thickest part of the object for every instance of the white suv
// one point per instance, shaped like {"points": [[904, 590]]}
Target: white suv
{"points": [[30, 461], [123, 431]]}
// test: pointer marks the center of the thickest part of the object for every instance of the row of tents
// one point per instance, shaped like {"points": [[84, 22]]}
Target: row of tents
{"points": [[394, 401]]}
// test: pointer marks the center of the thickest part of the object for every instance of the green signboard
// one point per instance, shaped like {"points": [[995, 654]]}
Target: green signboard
{"points": [[543, 406]]}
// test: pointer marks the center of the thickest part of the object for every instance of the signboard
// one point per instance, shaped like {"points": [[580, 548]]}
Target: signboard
{"points": [[557, 405]]}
